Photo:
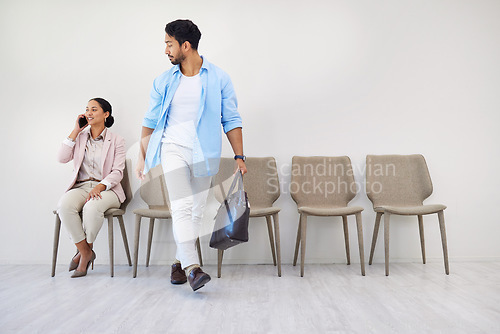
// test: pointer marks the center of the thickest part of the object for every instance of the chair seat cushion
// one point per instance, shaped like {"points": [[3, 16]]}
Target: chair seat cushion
{"points": [[411, 210], [260, 212], [114, 212], [153, 213], [342, 211]]}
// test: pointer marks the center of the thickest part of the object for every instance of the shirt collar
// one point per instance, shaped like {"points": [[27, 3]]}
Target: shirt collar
{"points": [[101, 136], [204, 65]]}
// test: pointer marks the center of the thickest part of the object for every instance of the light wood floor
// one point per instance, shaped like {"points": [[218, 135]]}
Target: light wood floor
{"points": [[416, 298]]}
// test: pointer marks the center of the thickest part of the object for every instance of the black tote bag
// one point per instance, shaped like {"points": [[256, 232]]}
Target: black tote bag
{"points": [[231, 221]]}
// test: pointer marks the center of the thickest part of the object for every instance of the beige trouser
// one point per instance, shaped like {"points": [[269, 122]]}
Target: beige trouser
{"points": [[73, 202]]}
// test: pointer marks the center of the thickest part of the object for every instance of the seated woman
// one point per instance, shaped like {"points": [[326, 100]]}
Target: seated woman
{"points": [[99, 160]]}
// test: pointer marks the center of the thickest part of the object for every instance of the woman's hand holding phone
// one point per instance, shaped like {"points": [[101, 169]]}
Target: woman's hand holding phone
{"points": [[81, 122]]}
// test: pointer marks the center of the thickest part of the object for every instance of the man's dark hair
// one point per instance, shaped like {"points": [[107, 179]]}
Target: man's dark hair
{"points": [[184, 30]]}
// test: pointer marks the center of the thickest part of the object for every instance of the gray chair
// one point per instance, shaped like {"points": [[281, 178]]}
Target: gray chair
{"points": [[109, 214], [398, 185], [332, 201], [262, 186], [154, 192]]}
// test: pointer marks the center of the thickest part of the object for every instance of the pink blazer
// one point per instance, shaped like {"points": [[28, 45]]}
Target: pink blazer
{"points": [[112, 161]]}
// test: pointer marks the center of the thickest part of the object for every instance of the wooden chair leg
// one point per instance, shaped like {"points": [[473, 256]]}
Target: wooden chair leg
{"points": [[359, 225], [57, 231], [271, 238], [421, 232], [443, 240], [111, 247], [198, 247], [136, 244], [386, 241], [375, 234], [297, 243], [220, 254], [277, 238], [150, 239], [303, 227], [346, 239], [125, 239]]}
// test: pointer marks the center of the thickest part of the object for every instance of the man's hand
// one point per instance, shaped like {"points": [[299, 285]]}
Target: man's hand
{"points": [[139, 169], [143, 148], [241, 166], [96, 192]]}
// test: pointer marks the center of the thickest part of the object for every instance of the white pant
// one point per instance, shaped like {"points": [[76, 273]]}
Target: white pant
{"points": [[73, 202], [188, 195]]}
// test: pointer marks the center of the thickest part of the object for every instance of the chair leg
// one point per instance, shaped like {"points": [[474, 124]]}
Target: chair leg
{"points": [[277, 238], [136, 244], [375, 234], [443, 240], [220, 254], [346, 239], [359, 225], [386, 242], [57, 231], [303, 227], [150, 239], [125, 239], [198, 247], [111, 247], [271, 238], [421, 231], [297, 243]]}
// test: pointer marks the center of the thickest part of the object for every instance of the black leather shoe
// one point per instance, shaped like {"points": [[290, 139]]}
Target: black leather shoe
{"points": [[197, 278], [177, 276]]}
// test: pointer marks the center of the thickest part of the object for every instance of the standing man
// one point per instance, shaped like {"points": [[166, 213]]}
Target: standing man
{"points": [[181, 130]]}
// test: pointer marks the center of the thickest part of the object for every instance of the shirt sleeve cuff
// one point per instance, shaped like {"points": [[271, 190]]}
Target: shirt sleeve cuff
{"points": [[232, 125], [148, 123], [69, 142], [106, 183]]}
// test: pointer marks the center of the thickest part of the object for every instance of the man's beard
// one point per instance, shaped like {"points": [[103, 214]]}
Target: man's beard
{"points": [[178, 60]]}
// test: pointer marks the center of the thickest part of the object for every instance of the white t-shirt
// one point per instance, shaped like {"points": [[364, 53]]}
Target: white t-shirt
{"points": [[181, 120]]}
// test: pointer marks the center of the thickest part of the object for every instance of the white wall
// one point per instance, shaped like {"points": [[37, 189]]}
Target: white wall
{"points": [[312, 78]]}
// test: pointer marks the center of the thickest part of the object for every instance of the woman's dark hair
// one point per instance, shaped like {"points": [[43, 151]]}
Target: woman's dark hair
{"points": [[106, 107], [184, 30]]}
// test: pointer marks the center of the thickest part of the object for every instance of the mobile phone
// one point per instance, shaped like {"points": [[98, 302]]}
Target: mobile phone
{"points": [[82, 122]]}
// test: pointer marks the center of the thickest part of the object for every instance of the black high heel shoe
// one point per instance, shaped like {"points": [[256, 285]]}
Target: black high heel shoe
{"points": [[77, 273]]}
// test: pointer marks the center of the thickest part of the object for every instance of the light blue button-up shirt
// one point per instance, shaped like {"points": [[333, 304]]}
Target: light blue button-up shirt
{"points": [[218, 105]]}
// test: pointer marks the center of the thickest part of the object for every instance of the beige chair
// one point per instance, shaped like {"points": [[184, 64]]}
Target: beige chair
{"points": [[330, 199], [262, 186], [154, 192], [109, 214], [398, 185]]}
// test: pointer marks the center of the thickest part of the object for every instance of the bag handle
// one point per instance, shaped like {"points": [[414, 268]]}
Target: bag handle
{"points": [[237, 178]]}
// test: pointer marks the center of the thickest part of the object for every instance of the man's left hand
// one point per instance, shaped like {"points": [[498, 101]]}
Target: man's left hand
{"points": [[241, 166]]}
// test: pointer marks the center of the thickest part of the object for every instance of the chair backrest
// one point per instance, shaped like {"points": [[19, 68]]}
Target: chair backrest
{"points": [[261, 182], [322, 181], [153, 189], [126, 185], [397, 180]]}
